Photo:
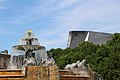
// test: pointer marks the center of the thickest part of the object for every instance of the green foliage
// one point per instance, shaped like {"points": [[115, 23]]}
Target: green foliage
{"points": [[104, 59]]}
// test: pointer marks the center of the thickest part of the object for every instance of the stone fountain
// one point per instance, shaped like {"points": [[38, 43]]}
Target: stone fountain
{"points": [[28, 52], [29, 61]]}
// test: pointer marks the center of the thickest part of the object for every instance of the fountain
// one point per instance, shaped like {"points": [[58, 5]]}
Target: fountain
{"points": [[29, 52]]}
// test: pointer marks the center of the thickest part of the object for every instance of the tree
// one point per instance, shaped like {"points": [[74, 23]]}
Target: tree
{"points": [[104, 59]]}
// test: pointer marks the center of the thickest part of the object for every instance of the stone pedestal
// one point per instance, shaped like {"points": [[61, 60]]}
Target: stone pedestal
{"points": [[37, 73], [42, 73]]}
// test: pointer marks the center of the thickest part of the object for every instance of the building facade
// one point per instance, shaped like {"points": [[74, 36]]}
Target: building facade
{"points": [[76, 37]]}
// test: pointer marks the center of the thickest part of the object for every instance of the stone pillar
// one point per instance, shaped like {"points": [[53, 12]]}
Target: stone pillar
{"points": [[54, 73]]}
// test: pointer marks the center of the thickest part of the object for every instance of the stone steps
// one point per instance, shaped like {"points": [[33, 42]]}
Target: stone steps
{"points": [[9, 73], [12, 76]]}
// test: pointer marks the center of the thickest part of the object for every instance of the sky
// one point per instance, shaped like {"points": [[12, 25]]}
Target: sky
{"points": [[51, 20]]}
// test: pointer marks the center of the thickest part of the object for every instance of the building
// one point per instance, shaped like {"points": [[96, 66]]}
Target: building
{"points": [[76, 37], [4, 59]]}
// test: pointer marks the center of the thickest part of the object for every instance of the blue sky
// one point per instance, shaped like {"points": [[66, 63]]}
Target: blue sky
{"points": [[51, 20]]}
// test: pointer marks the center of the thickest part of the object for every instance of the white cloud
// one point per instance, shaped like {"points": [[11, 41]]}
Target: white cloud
{"points": [[98, 10], [67, 15]]}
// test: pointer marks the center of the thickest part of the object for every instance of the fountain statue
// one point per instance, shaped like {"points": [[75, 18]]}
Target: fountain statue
{"points": [[28, 52]]}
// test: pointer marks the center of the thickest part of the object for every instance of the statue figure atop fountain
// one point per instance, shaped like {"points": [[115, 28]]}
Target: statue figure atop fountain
{"points": [[28, 52]]}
